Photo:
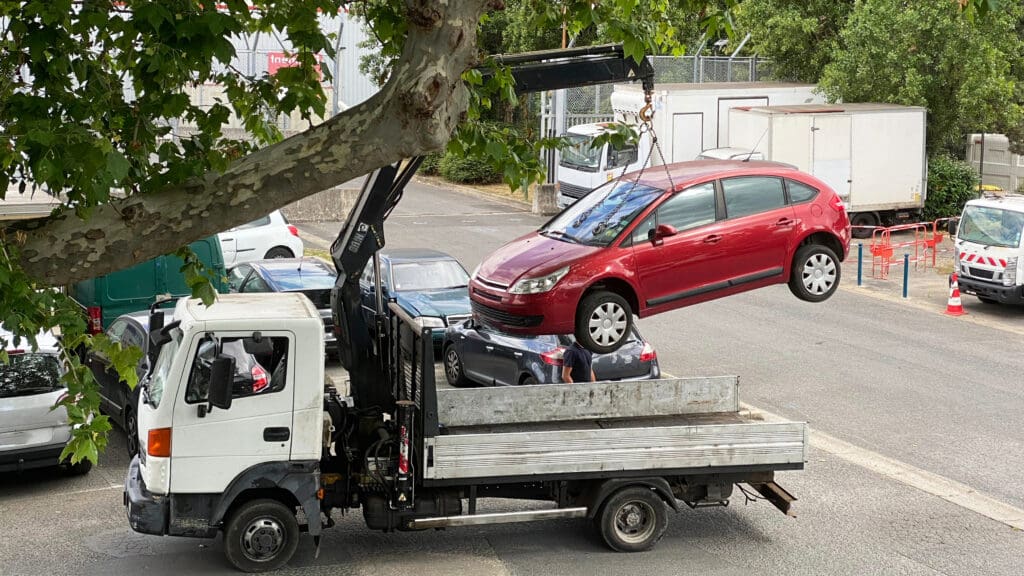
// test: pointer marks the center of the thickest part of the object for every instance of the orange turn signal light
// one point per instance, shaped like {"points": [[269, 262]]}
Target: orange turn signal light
{"points": [[159, 444]]}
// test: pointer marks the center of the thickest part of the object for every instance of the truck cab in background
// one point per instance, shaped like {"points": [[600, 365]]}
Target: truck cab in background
{"points": [[989, 248]]}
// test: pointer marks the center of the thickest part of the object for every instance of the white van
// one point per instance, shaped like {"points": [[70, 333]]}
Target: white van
{"points": [[988, 249]]}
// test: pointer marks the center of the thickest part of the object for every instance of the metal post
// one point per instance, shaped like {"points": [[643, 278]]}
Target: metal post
{"points": [[981, 167], [860, 263], [906, 273]]}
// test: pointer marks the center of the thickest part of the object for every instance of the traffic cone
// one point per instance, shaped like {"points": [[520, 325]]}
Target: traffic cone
{"points": [[954, 307]]}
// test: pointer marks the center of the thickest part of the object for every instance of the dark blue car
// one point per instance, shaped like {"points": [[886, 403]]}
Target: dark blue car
{"points": [[477, 354], [310, 276], [429, 285]]}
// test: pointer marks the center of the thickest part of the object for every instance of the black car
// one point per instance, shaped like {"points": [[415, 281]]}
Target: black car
{"points": [[310, 276], [476, 353], [116, 399]]}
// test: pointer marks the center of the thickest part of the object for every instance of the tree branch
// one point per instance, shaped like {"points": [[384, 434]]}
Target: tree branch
{"points": [[414, 113]]}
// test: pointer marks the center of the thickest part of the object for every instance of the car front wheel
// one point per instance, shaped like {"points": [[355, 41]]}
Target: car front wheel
{"points": [[603, 322], [453, 371], [816, 273]]}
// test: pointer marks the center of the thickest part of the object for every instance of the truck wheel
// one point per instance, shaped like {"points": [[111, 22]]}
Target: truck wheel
{"points": [[261, 535], [453, 370], [863, 219], [604, 321], [632, 520], [816, 273]]}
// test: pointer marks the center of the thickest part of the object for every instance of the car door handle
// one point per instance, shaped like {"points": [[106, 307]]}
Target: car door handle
{"points": [[226, 239], [489, 348], [784, 222], [712, 239], [279, 434], [517, 354]]}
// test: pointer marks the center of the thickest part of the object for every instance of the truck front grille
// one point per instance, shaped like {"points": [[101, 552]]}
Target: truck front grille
{"points": [[572, 190]]}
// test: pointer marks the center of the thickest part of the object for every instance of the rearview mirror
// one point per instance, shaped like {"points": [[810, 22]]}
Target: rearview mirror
{"points": [[222, 374], [661, 231], [951, 227]]}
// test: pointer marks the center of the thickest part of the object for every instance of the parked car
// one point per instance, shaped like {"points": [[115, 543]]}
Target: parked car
{"points": [[662, 239], [428, 284], [311, 276], [476, 353], [117, 400], [32, 432], [105, 298], [268, 237]]}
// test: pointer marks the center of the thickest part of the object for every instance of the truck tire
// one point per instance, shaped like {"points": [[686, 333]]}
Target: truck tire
{"points": [[261, 535], [816, 273], [604, 321], [863, 219], [632, 519]]}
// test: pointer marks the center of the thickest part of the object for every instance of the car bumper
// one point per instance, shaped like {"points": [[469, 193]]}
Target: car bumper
{"points": [[997, 292], [147, 512], [28, 458], [547, 313]]}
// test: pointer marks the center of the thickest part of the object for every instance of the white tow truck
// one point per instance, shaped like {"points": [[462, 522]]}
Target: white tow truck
{"points": [[989, 246], [241, 435]]}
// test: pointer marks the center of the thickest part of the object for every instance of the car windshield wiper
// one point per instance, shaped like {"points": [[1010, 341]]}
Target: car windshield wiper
{"points": [[565, 236]]}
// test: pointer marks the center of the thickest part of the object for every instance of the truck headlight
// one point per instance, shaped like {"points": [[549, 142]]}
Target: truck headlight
{"points": [[421, 322], [1010, 272], [540, 284]]}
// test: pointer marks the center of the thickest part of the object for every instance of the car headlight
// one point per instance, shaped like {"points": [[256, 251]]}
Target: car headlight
{"points": [[421, 322], [539, 285]]}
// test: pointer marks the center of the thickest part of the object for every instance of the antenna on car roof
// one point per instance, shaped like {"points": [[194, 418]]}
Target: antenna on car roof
{"points": [[758, 143]]}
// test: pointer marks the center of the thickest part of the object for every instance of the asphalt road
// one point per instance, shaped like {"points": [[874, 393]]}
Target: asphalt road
{"points": [[915, 393]]}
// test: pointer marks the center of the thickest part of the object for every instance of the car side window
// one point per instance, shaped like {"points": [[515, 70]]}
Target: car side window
{"points": [[260, 367], [236, 276], [746, 195], [132, 336], [116, 330], [690, 208], [800, 192], [255, 284]]}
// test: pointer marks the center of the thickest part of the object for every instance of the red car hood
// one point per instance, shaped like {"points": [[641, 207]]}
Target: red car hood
{"points": [[531, 255]]}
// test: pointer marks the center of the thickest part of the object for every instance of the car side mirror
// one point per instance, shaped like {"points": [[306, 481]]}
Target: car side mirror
{"points": [[660, 232], [222, 374], [951, 227]]}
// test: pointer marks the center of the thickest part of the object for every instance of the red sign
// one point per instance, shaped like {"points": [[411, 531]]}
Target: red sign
{"points": [[278, 60]]}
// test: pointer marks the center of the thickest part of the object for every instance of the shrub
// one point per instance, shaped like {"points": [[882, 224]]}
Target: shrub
{"points": [[951, 183], [431, 163], [467, 170]]}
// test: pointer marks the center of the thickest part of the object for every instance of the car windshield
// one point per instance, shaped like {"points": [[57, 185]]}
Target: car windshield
{"points": [[27, 374], [991, 226], [162, 368], [599, 217], [310, 277], [579, 153], [428, 275]]}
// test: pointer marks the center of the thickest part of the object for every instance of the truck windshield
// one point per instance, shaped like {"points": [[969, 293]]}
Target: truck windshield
{"points": [[599, 217], [162, 368], [580, 155], [991, 226]]}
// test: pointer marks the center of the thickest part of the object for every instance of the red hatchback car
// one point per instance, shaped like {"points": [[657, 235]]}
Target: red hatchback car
{"points": [[653, 242]]}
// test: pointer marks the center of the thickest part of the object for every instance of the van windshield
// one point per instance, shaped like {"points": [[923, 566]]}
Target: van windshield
{"points": [[991, 226], [162, 368], [579, 153]]}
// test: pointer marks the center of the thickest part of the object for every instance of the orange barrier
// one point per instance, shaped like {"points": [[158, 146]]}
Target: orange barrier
{"points": [[922, 246]]}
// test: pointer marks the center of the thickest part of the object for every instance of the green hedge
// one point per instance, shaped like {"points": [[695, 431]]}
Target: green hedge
{"points": [[951, 183], [467, 170], [431, 163]]}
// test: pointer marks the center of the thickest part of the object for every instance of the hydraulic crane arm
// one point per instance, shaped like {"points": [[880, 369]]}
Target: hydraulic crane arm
{"points": [[363, 233]]}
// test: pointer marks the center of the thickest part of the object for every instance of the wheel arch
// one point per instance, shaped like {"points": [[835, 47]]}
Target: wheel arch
{"points": [[824, 238], [600, 493], [291, 483], [617, 285]]}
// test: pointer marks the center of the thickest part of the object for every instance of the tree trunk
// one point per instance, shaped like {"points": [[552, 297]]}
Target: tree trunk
{"points": [[413, 114]]}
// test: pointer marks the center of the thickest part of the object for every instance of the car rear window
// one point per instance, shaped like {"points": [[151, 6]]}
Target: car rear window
{"points": [[28, 374], [800, 192]]}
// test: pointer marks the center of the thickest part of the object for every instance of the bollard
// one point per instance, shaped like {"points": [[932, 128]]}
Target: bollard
{"points": [[906, 273], [860, 263]]}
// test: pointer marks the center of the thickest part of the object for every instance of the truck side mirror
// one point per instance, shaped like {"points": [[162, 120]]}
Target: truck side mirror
{"points": [[951, 227], [222, 375]]}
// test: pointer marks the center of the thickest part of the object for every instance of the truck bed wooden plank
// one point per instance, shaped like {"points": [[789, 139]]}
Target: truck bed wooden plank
{"points": [[587, 401]]}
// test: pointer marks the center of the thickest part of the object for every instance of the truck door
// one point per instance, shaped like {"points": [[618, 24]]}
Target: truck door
{"points": [[209, 447], [830, 159]]}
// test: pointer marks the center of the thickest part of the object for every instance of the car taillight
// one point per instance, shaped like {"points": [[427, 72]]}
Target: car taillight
{"points": [[553, 357], [259, 379], [95, 323], [293, 230], [159, 443], [648, 353]]}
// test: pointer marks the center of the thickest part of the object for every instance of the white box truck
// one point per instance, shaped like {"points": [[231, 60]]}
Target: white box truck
{"points": [[872, 155], [688, 118]]}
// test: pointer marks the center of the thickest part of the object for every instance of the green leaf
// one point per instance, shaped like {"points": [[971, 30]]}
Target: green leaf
{"points": [[117, 165]]}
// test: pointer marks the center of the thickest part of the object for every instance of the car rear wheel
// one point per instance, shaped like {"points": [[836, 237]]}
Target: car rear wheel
{"points": [[816, 273], [279, 252], [453, 371], [80, 469], [528, 381], [604, 321]]}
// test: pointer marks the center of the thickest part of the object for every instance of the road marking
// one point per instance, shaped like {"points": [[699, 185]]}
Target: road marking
{"points": [[101, 489]]}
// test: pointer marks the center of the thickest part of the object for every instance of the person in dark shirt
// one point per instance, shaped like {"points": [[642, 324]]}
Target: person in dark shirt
{"points": [[577, 364]]}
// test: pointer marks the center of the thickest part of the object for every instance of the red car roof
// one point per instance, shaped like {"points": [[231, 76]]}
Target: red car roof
{"points": [[684, 173]]}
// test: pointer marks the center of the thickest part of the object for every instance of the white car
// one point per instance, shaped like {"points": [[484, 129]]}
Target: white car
{"points": [[268, 237], [32, 433]]}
